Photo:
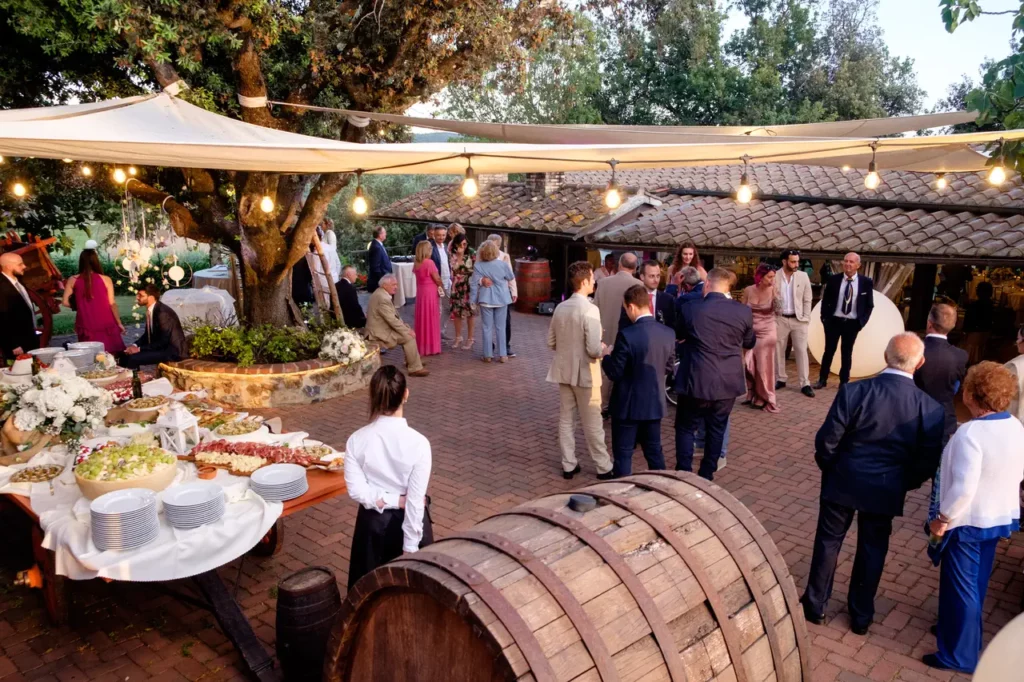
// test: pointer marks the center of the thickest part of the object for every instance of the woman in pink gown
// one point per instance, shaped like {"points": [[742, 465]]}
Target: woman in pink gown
{"points": [[427, 324], [760, 360], [97, 318]]}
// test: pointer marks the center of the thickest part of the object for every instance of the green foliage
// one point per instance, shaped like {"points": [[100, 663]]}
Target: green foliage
{"points": [[68, 265], [259, 344]]}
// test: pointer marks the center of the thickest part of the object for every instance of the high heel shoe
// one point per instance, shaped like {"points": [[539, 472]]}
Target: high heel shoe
{"points": [[455, 344], [469, 344]]}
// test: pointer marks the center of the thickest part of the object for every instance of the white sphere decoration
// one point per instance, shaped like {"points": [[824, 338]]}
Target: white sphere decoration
{"points": [[176, 273], [145, 253], [134, 245], [869, 349], [91, 244], [127, 264]]}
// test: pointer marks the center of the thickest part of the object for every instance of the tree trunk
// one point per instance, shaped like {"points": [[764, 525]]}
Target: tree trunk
{"points": [[266, 301]]}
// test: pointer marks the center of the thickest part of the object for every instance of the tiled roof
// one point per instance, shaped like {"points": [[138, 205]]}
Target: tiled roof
{"points": [[818, 181], [508, 205]]}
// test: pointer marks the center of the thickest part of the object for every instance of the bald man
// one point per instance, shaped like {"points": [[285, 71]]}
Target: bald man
{"points": [[846, 306], [881, 438], [19, 318]]}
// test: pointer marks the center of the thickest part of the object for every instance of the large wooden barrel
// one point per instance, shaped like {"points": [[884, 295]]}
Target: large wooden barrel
{"points": [[668, 578], [533, 279], [308, 602]]}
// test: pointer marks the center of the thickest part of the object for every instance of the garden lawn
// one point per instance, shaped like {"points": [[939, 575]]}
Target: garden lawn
{"points": [[64, 321]]}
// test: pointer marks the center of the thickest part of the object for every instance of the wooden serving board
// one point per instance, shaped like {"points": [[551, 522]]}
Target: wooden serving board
{"points": [[318, 463]]}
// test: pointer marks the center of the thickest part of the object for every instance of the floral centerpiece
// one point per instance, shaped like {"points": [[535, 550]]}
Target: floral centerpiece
{"points": [[343, 345], [58, 407]]}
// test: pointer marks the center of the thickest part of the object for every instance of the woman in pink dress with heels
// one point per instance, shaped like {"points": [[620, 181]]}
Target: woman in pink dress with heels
{"points": [[760, 360], [97, 318], [427, 322]]}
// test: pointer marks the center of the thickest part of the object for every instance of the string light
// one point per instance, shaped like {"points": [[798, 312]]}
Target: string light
{"points": [[872, 180], [744, 193], [120, 176], [66, 160], [359, 204], [19, 190], [1, 159], [267, 204], [940, 181], [612, 195], [470, 188], [845, 168], [87, 171], [133, 171], [997, 175]]}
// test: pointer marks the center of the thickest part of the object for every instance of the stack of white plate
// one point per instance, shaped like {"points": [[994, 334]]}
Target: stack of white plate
{"points": [[279, 482], [124, 519], [193, 504]]}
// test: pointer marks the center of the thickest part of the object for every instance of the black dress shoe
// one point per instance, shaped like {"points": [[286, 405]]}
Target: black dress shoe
{"points": [[932, 661], [780, 384], [934, 630], [607, 476], [820, 385], [605, 414], [807, 391], [859, 629], [567, 475], [810, 616]]}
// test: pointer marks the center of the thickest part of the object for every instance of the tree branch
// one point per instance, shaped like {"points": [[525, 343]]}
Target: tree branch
{"points": [[312, 214], [182, 221]]}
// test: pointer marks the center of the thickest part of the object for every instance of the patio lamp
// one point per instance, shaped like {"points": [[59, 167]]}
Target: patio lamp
{"points": [[19, 190], [267, 204], [120, 176], [744, 193], [612, 195], [997, 175], [470, 188], [87, 171], [940, 181], [359, 203]]}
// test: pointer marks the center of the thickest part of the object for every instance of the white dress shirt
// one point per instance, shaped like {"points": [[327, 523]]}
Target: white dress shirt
{"points": [[898, 372], [786, 284], [842, 297], [21, 290], [446, 269], [386, 459]]}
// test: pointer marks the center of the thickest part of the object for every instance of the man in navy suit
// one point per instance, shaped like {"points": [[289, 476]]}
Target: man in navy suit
{"points": [[434, 233], [377, 259], [637, 365], [945, 365], [881, 438], [846, 306], [712, 333], [663, 307]]}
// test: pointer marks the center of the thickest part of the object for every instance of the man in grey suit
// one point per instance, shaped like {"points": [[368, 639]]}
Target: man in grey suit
{"points": [[608, 299], [575, 336]]}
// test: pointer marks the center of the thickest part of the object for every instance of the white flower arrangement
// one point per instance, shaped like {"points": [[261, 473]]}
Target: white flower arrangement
{"points": [[343, 345], [56, 405]]}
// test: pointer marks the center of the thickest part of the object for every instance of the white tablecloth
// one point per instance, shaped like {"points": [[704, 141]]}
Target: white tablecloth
{"points": [[406, 282], [218, 276], [209, 304]]}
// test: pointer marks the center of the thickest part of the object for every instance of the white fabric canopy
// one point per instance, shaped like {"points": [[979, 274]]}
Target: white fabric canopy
{"points": [[161, 130]]}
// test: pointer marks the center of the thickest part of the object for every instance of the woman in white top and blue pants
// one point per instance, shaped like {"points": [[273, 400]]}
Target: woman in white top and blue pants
{"points": [[982, 467], [387, 469]]}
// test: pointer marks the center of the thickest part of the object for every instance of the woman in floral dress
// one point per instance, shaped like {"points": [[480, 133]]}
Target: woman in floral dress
{"points": [[461, 262]]}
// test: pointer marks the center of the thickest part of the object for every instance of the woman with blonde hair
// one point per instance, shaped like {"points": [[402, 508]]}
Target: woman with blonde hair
{"points": [[760, 360], [493, 300], [427, 320]]}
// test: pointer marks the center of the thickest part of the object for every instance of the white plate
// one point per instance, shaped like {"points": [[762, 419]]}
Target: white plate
{"points": [[276, 475], [192, 494], [123, 501], [146, 409], [263, 430]]}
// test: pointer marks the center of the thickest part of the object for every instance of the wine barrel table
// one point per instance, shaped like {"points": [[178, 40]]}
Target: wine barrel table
{"points": [[533, 280], [668, 578]]}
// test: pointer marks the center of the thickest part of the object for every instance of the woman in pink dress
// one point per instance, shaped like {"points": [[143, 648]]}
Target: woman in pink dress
{"points": [[760, 360], [427, 324], [98, 318]]}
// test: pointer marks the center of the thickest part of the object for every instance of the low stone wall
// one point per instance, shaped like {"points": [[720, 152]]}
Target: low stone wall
{"points": [[286, 383]]}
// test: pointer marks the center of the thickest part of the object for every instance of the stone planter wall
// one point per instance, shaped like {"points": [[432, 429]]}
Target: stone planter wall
{"points": [[288, 383]]}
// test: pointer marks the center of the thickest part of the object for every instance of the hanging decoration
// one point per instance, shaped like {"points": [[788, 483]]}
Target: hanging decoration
{"points": [[135, 247]]}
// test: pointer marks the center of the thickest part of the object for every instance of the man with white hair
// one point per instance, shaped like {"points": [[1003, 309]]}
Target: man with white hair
{"points": [[846, 305], [385, 327], [881, 438]]}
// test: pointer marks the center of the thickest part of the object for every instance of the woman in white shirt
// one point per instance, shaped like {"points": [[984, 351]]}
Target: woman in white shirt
{"points": [[387, 469], [982, 467]]}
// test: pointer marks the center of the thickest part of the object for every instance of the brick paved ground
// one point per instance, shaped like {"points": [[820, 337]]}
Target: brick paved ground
{"points": [[493, 433]]}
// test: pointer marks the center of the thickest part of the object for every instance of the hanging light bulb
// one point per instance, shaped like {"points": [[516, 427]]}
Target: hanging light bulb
{"points": [[1, 159], [470, 188], [359, 204], [120, 176], [19, 190], [744, 193], [87, 171], [997, 175], [940, 181], [845, 168], [612, 195], [66, 160], [133, 171], [267, 204], [872, 180]]}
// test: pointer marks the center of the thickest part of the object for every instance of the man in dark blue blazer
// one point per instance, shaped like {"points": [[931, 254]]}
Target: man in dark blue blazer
{"points": [[378, 262], [430, 233], [846, 306], [945, 365], [637, 365], [663, 307], [881, 438], [712, 335]]}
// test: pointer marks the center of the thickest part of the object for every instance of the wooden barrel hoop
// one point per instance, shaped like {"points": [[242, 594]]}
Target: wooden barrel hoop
{"points": [[772, 555], [664, 638], [745, 569], [572, 607], [496, 602]]}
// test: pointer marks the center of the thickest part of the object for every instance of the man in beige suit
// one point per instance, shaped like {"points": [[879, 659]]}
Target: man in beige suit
{"points": [[575, 336], [608, 299], [792, 320], [384, 326]]}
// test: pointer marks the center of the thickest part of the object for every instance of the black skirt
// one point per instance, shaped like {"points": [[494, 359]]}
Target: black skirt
{"points": [[378, 539]]}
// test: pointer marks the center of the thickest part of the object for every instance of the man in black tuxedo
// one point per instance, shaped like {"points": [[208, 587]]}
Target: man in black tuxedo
{"points": [[163, 340], [348, 298], [881, 438], [846, 306], [663, 307], [378, 262], [713, 333], [637, 364], [19, 318], [945, 365]]}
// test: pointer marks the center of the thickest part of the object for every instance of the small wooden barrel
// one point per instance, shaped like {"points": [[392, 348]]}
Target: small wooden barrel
{"points": [[308, 602], [533, 279], [668, 578]]}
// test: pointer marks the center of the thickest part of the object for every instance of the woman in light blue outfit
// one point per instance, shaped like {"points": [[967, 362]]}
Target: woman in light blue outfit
{"points": [[494, 299]]}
